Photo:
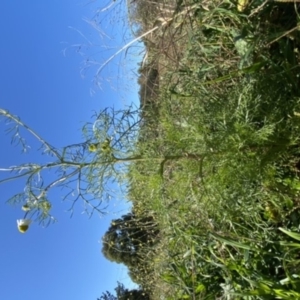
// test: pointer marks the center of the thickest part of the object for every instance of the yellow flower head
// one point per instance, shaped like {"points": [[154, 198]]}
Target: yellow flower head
{"points": [[105, 147], [93, 147], [23, 225], [45, 205]]}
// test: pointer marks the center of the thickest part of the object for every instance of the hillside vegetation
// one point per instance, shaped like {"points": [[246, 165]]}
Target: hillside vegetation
{"points": [[216, 206]]}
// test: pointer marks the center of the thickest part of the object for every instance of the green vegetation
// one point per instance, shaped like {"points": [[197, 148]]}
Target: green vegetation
{"points": [[221, 104], [210, 161], [124, 294]]}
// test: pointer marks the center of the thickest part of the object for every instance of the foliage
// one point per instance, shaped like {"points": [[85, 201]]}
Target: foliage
{"points": [[229, 97], [211, 160], [107, 296], [88, 170], [125, 237], [125, 241], [124, 294]]}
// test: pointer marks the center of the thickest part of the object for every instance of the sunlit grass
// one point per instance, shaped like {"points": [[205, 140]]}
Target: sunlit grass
{"points": [[227, 120]]}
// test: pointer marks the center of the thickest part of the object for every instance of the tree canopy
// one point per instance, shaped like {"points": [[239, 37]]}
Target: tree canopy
{"points": [[123, 293], [125, 238]]}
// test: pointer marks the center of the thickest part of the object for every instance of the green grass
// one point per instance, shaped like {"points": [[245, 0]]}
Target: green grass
{"points": [[227, 131]]}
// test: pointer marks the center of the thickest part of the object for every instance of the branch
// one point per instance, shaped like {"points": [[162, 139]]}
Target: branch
{"points": [[8, 115], [14, 177], [61, 179]]}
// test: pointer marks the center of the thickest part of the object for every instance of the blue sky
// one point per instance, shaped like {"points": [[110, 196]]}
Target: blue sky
{"points": [[47, 81]]}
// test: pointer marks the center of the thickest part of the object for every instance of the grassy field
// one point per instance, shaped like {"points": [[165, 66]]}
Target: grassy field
{"points": [[220, 101]]}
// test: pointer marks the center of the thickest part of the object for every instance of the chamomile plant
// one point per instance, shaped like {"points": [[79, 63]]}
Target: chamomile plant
{"points": [[84, 171]]}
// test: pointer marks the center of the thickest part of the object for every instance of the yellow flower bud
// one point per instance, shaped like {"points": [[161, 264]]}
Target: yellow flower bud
{"points": [[45, 205], [93, 147], [23, 225], [26, 207], [105, 147]]}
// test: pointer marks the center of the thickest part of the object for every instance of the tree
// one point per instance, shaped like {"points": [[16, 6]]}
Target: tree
{"points": [[126, 237], [107, 296], [124, 294], [129, 240], [134, 295]]}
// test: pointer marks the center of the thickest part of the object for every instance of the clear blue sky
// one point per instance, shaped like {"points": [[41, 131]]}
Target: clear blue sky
{"points": [[43, 55]]}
